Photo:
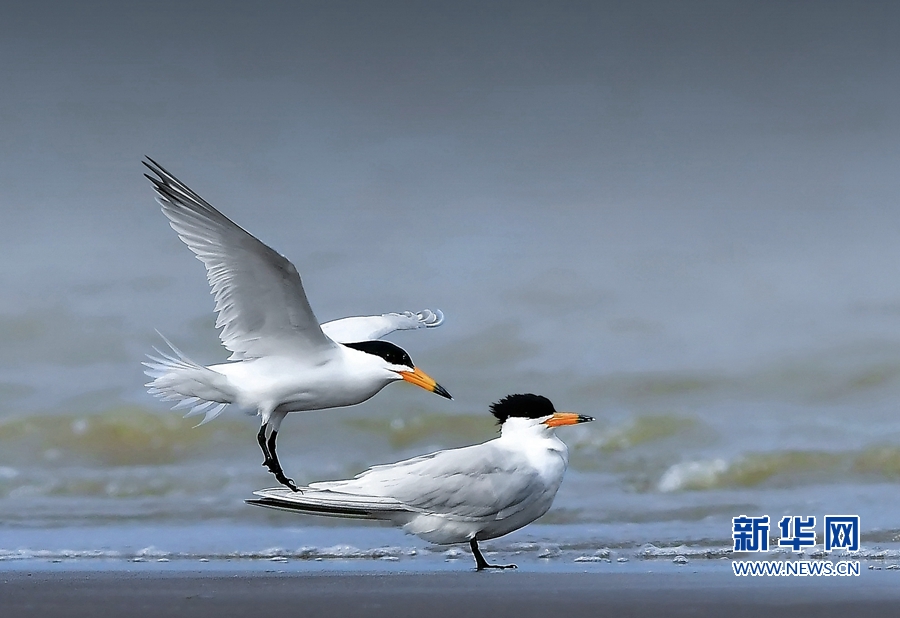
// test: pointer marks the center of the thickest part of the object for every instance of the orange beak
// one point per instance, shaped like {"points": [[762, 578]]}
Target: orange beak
{"points": [[422, 379], [567, 418]]}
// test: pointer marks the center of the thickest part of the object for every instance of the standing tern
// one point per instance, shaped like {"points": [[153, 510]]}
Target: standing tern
{"points": [[460, 495], [283, 359]]}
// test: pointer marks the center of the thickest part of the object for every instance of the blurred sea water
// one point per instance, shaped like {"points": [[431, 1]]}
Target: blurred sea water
{"points": [[723, 384], [679, 218]]}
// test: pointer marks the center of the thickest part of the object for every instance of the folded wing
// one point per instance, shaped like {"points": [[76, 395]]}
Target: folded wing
{"points": [[477, 482]]}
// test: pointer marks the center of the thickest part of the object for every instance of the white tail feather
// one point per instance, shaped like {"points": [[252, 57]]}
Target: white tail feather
{"points": [[177, 378], [185, 403]]}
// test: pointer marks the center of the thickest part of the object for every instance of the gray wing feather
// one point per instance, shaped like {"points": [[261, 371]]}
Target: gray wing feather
{"points": [[311, 500], [261, 305], [475, 482]]}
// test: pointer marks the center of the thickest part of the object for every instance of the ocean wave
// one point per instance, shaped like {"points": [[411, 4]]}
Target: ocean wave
{"points": [[537, 551], [650, 551], [837, 374], [351, 552], [634, 432], [449, 430], [692, 475], [120, 482], [306, 552], [783, 469], [336, 552], [122, 435]]}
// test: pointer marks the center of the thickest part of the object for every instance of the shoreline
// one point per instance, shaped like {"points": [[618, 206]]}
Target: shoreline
{"points": [[447, 594]]}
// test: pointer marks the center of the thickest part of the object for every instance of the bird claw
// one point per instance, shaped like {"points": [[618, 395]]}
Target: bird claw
{"points": [[496, 566], [281, 478]]}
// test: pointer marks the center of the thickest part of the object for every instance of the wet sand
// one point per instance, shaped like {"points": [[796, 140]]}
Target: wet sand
{"points": [[73, 594]]}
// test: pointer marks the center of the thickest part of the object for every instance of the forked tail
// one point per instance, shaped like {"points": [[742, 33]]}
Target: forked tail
{"points": [[177, 378]]}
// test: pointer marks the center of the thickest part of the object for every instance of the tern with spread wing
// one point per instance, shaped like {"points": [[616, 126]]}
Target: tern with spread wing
{"points": [[462, 495], [283, 360]]}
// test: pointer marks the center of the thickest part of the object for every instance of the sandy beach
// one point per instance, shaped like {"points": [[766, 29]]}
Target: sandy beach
{"points": [[437, 595]]}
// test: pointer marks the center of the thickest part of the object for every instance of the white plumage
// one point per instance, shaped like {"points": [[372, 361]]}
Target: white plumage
{"points": [[366, 328], [460, 495], [282, 360]]}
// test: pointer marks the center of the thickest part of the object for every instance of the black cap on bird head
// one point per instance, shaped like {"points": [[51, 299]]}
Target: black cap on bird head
{"points": [[522, 406], [390, 352]]}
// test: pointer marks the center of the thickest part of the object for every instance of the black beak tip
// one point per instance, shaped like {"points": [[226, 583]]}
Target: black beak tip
{"points": [[585, 419], [440, 390]]}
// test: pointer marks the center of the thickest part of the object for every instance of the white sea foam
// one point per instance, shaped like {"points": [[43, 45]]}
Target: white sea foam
{"points": [[652, 551], [692, 475]]}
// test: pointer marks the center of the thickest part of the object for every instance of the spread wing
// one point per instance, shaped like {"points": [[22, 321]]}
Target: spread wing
{"points": [[475, 482], [262, 308], [369, 328]]}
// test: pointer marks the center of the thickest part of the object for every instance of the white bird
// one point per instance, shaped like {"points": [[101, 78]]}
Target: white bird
{"points": [[461, 495], [283, 359]]}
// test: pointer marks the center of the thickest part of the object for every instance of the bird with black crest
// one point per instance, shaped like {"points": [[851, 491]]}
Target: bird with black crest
{"points": [[462, 495]]}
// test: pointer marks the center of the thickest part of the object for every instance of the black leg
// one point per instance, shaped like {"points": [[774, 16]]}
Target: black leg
{"points": [[261, 438], [275, 467], [482, 564]]}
